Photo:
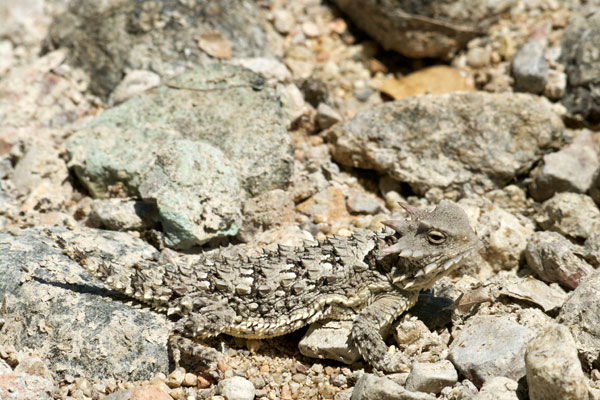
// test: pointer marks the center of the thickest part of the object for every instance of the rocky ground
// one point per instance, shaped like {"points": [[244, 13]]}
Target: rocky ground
{"points": [[182, 126]]}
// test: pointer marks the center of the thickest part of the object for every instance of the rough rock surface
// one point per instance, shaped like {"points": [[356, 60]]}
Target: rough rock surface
{"points": [[460, 138], [219, 152], [121, 214], [418, 29], [570, 214], [373, 387], [580, 316], [529, 67], [595, 187], [54, 308], [570, 169], [582, 60], [330, 340], [555, 259], [196, 191], [23, 386], [553, 369], [266, 211], [236, 388], [431, 377], [490, 346], [498, 388], [108, 38]]}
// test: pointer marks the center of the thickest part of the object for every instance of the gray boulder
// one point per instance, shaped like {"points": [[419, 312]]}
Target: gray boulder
{"points": [[451, 140], [582, 60], [422, 29], [108, 38], [195, 147], [54, 309]]}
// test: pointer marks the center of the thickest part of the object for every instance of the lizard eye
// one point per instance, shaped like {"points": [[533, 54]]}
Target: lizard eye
{"points": [[436, 237]]}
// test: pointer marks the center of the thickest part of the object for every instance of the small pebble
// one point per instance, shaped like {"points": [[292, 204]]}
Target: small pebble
{"points": [[236, 388], [175, 378]]}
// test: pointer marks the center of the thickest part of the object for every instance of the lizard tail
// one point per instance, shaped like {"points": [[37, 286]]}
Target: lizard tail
{"points": [[143, 282]]}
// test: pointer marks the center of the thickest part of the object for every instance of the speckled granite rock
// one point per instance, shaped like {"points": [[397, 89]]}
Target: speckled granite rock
{"points": [[55, 309]]}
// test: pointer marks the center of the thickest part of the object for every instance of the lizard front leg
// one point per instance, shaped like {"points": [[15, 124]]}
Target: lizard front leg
{"points": [[367, 327]]}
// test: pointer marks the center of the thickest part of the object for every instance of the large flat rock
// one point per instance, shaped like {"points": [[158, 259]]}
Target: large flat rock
{"points": [[56, 310]]}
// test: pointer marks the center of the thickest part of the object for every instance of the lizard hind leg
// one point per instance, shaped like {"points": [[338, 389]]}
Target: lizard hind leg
{"points": [[185, 340]]}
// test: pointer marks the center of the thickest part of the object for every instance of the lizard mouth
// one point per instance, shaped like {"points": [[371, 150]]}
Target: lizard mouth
{"points": [[428, 274]]}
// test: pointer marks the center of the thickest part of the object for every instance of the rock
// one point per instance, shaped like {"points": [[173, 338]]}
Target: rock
{"points": [[534, 291], [431, 377], [417, 342], [570, 169], [579, 314], [556, 87], [246, 128], [119, 395], [7, 57], [269, 210], [73, 323], [215, 44], [498, 388], [134, 83], [175, 378], [570, 214], [42, 176], [329, 340], [196, 191], [149, 392], [372, 387], [529, 67], [478, 57], [327, 116], [106, 39], [579, 54], [462, 390], [328, 207], [122, 215], [595, 187], [33, 365], [504, 235], [283, 20], [434, 80], [23, 386], [270, 68], [489, 346], [457, 139], [359, 203], [417, 29], [236, 388], [554, 259], [553, 369]]}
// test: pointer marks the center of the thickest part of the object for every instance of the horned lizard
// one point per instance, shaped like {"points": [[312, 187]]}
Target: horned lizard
{"points": [[370, 278]]}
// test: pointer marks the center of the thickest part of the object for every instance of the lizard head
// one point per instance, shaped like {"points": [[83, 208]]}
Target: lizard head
{"points": [[429, 244]]}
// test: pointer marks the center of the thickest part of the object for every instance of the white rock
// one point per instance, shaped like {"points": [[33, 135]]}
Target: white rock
{"points": [[236, 388]]}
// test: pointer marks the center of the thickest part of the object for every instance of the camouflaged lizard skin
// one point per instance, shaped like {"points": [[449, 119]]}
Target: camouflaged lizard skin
{"points": [[370, 278]]}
